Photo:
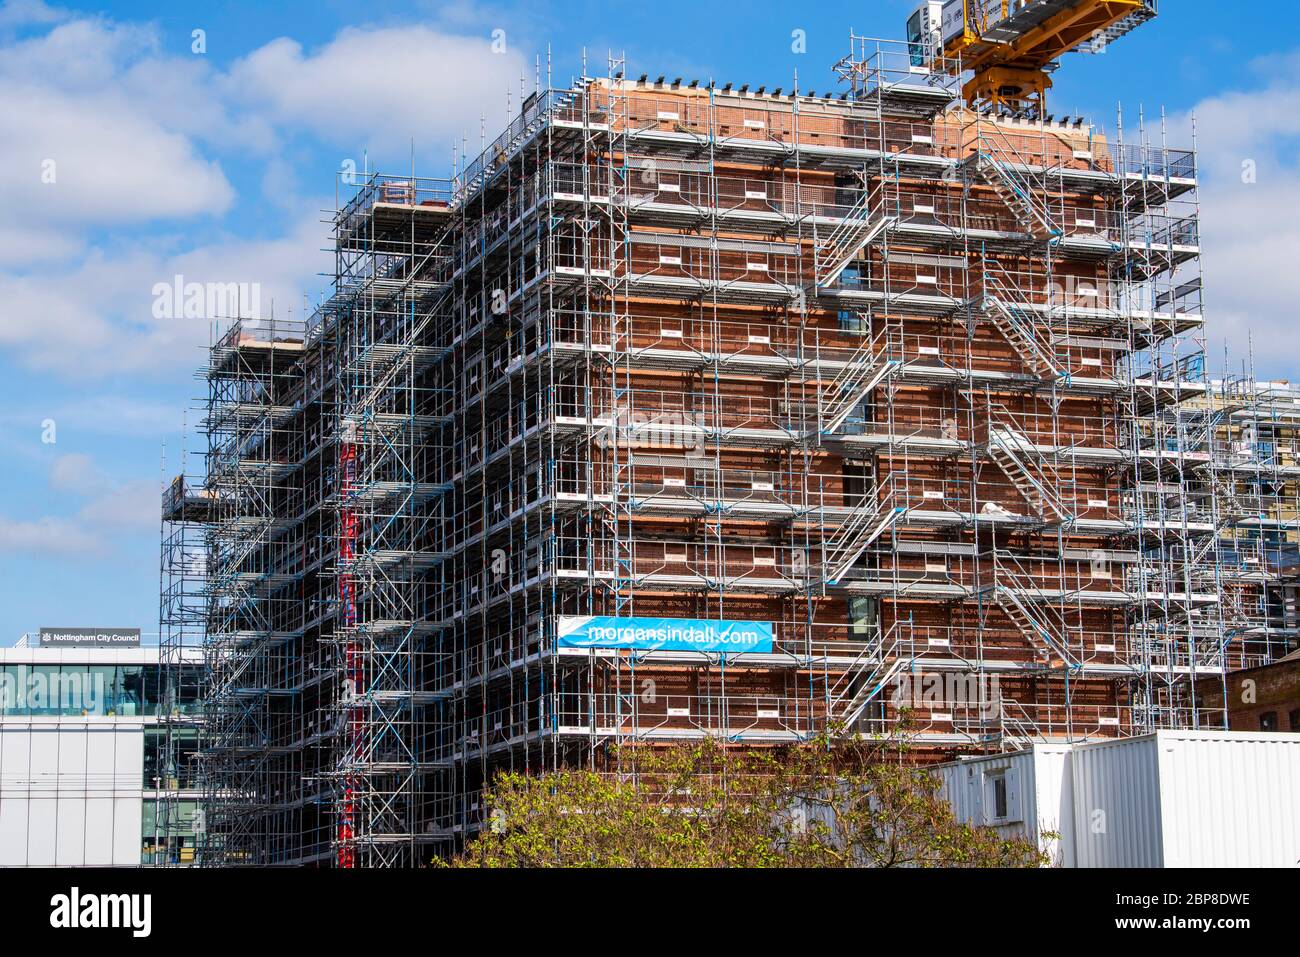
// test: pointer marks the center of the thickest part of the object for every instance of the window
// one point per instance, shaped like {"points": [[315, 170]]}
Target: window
{"points": [[10, 676], [53, 691], [191, 690], [1000, 797], [1268, 721], [1295, 720], [914, 38], [104, 691], [851, 320], [863, 615], [154, 742], [131, 689]]}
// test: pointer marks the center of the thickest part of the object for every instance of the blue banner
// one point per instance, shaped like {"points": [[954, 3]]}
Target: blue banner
{"points": [[666, 634]]}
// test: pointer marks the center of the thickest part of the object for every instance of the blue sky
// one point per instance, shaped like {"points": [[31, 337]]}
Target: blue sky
{"points": [[215, 164]]}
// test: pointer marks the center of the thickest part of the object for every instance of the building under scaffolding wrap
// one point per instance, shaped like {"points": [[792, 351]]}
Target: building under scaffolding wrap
{"points": [[922, 387]]}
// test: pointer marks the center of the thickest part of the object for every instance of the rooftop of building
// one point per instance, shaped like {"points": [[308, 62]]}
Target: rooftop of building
{"points": [[31, 653]]}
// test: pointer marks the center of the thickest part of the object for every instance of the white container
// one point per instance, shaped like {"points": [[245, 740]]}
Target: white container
{"points": [[1023, 794], [1169, 799], [1188, 799]]}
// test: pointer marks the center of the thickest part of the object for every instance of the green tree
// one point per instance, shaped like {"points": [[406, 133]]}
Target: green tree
{"points": [[700, 804]]}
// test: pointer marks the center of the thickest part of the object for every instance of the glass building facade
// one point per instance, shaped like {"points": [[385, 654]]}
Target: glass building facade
{"points": [[103, 705]]}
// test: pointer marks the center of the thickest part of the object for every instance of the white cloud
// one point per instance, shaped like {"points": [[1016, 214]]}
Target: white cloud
{"points": [[77, 472], [1251, 248], [1250, 237], [147, 145], [80, 55], [126, 133], [18, 13], [97, 319], [94, 415], [380, 88], [107, 510], [26, 244], [82, 147], [133, 505], [79, 160], [48, 536]]}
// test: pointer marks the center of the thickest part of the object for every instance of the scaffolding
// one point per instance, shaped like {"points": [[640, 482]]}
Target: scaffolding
{"points": [[923, 387], [183, 610], [261, 534], [1256, 450]]}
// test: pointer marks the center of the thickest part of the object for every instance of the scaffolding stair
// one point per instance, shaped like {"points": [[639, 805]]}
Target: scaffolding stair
{"points": [[861, 226], [848, 710], [1016, 323], [1030, 617], [866, 523], [996, 168], [875, 667], [1032, 626], [1007, 447], [230, 573], [865, 371]]}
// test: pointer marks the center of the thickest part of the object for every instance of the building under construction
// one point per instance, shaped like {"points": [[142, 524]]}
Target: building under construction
{"points": [[918, 384]]}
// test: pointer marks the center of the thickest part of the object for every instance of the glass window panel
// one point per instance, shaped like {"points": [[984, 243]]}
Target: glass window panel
{"points": [[131, 683], [75, 694], [43, 690], [155, 740], [101, 690], [11, 677]]}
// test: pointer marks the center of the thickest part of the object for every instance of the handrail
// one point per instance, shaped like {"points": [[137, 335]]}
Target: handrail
{"points": [[863, 372], [1006, 566], [990, 155], [859, 226], [1011, 444], [1019, 322], [1023, 723], [872, 517], [890, 654]]}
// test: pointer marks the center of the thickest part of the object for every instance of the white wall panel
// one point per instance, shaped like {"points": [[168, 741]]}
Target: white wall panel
{"points": [[1116, 803], [70, 848], [99, 832], [42, 827], [13, 831], [1230, 801], [126, 830], [70, 792], [1172, 799]]}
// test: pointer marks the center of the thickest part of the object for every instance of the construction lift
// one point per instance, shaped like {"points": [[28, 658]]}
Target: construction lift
{"points": [[1009, 48]]}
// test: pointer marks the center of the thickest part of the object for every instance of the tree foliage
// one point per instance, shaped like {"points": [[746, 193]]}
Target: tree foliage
{"points": [[700, 804]]}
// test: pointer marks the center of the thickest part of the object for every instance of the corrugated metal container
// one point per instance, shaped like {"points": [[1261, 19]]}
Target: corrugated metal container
{"points": [[1188, 799], [1170, 799], [1019, 794], [1117, 801]]}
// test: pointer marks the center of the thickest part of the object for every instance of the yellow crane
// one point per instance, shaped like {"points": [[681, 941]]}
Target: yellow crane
{"points": [[1009, 47]]}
